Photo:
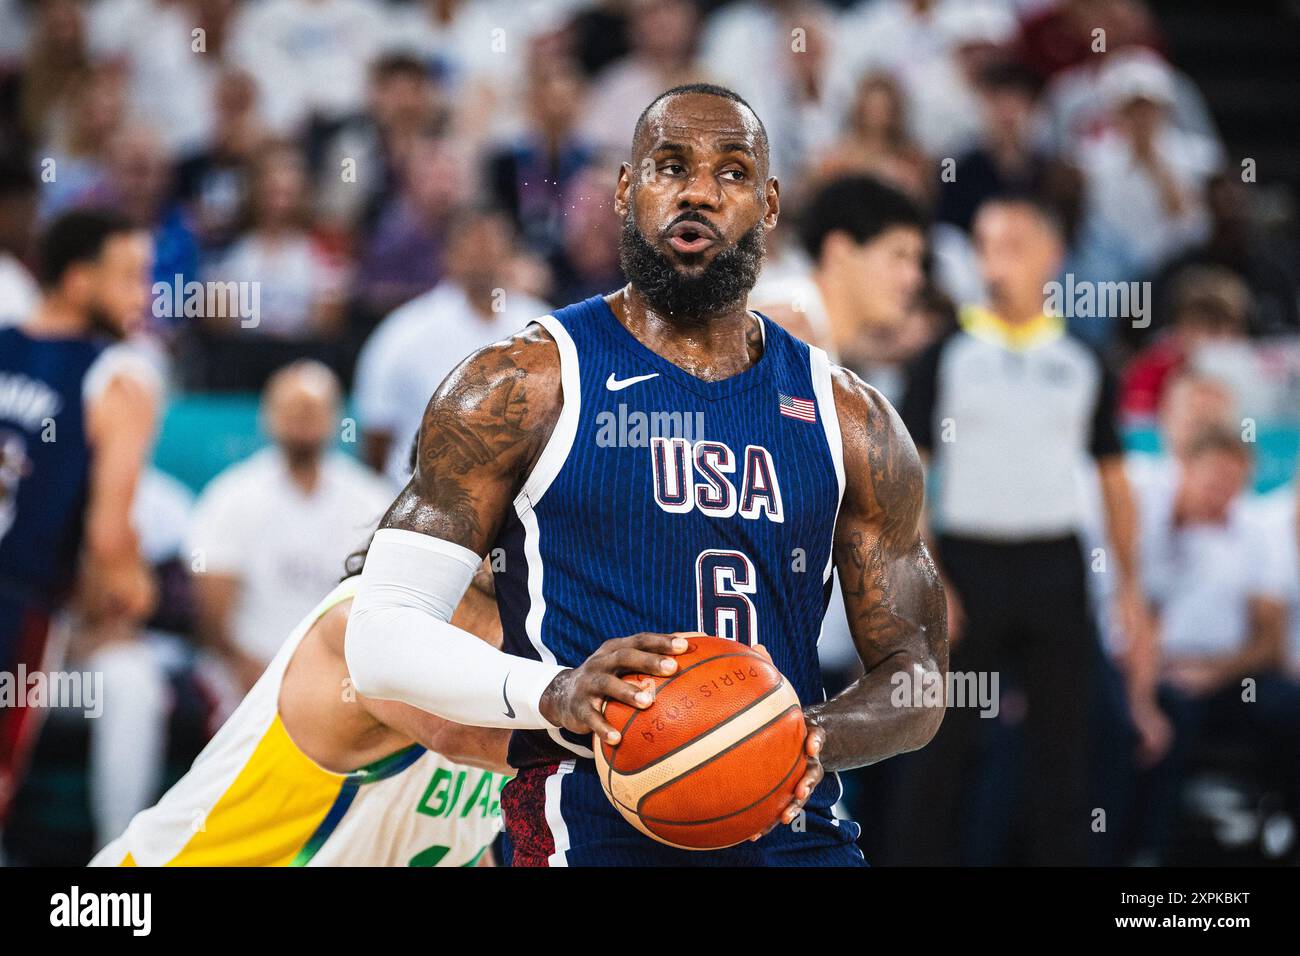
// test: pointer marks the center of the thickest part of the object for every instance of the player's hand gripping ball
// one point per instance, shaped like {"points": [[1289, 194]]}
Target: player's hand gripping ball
{"points": [[716, 758]]}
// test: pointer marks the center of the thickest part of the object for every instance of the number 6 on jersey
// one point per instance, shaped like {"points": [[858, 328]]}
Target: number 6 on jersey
{"points": [[724, 580]]}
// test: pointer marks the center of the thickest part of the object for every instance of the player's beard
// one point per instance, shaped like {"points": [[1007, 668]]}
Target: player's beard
{"points": [[724, 283]]}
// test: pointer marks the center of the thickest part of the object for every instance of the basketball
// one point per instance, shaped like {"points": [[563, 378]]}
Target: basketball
{"points": [[716, 757]]}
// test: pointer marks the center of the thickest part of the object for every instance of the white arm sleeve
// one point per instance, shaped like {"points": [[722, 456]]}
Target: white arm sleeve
{"points": [[400, 645]]}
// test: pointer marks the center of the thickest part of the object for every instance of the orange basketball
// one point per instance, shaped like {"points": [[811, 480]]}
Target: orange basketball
{"points": [[716, 757]]}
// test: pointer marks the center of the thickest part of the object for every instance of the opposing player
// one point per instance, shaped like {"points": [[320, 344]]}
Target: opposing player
{"points": [[571, 452], [77, 414], [308, 773]]}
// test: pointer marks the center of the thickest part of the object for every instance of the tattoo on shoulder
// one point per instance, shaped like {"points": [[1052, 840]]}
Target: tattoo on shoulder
{"points": [[481, 433]]}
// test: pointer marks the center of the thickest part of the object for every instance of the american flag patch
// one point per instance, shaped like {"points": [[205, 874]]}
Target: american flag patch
{"points": [[800, 408]]}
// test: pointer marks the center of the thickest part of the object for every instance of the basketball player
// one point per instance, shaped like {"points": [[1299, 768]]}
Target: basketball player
{"points": [[606, 539], [77, 414], [308, 773], [866, 243]]}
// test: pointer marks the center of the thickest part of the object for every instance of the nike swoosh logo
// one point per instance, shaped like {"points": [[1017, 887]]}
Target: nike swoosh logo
{"points": [[510, 711], [614, 384]]}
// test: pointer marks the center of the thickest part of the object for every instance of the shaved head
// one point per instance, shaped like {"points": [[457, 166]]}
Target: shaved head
{"points": [[301, 405], [305, 379], [657, 114]]}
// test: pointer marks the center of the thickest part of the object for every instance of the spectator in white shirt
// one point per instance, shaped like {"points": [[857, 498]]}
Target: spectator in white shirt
{"points": [[1219, 601], [894, 35], [271, 533], [170, 82], [413, 349], [1145, 182], [309, 56], [791, 39], [663, 36], [1206, 571], [946, 112], [1192, 403], [1073, 109], [481, 48], [300, 285]]}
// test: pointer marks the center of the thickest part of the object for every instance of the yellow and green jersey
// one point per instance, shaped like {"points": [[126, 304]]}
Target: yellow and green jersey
{"points": [[252, 798]]}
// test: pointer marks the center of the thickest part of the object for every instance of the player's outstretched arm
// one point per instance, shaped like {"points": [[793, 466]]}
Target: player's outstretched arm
{"points": [[483, 432], [892, 594]]}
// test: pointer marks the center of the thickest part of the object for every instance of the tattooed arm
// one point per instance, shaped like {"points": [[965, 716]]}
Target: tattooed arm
{"points": [[482, 434], [892, 594]]}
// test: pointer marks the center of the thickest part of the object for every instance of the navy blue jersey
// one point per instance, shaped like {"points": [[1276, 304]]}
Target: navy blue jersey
{"points": [[44, 463], [665, 503]]}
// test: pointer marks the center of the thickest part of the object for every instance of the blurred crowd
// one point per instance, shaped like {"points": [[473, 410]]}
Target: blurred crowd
{"points": [[387, 185]]}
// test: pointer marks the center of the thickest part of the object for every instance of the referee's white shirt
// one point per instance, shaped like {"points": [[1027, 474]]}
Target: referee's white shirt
{"points": [[1007, 413]]}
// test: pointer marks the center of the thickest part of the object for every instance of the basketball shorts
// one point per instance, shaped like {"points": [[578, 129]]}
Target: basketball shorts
{"points": [[558, 815]]}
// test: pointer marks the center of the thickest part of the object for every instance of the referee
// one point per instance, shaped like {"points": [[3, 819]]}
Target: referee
{"points": [[1005, 409]]}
